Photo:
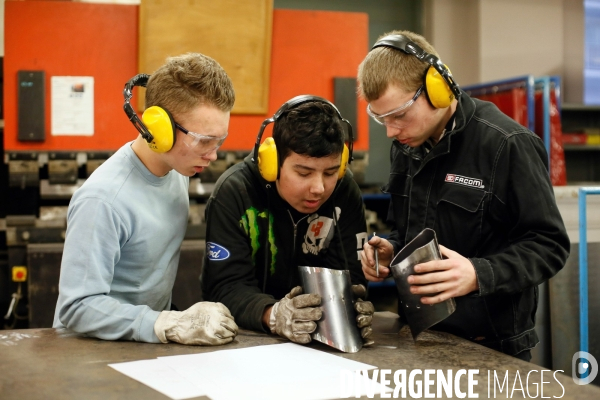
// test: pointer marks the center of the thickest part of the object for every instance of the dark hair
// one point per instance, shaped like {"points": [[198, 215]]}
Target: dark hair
{"points": [[314, 129]]}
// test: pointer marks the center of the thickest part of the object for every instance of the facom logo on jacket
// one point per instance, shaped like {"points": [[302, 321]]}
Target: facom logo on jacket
{"points": [[464, 180], [216, 252]]}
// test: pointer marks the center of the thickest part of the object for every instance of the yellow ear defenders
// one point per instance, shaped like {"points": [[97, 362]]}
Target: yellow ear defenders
{"points": [[157, 126], [266, 155], [440, 86]]}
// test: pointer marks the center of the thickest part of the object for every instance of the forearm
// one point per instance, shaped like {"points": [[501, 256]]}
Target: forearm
{"points": [[353, 228], [396, 242], [105, 318], [530, 244], [266, 318], [521, 266], [246, 302]]}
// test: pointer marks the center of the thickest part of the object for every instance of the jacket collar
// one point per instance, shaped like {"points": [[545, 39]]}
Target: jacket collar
{"points": [[464, 112]]}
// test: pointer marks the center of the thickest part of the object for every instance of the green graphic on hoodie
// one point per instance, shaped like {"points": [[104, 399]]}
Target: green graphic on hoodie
{"points": [[251, 226]]}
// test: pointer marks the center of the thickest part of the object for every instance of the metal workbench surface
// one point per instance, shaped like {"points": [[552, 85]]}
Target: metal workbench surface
{"points": [[58, 364]]}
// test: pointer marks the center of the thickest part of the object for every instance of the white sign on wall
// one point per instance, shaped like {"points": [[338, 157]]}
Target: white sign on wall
{"points": [[72, 104]]}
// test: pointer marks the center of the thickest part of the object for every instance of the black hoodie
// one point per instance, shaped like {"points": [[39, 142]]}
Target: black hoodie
{"points": [[256, 241]]}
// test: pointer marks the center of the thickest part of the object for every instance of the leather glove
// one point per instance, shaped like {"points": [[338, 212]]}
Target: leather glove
{"points": [[294, 316], [364, 317], [204, 323]]}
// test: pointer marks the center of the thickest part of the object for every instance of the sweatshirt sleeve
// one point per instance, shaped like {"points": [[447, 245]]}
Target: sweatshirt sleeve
{"points": [[538, 244], [397, 187], [228, 273], [91, 250], [352, 226]]}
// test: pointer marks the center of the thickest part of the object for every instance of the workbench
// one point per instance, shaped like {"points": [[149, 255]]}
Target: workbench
{"points": [[59, 364]]}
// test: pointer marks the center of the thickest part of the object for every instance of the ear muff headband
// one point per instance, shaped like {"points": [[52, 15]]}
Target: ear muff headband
{"points": [[157, 126], [265, 155], [440, 86]]}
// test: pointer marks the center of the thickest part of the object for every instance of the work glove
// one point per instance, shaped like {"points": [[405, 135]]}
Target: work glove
{"points": [[204, 323], [294, 316], [364, 311]]}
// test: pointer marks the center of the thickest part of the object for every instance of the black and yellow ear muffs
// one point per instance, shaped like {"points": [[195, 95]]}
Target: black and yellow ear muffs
{"points": [[440, 86], [266, 155], [157, 126]]}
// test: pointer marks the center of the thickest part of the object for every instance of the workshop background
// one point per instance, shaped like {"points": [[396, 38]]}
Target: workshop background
{"points": [[539, 60]]}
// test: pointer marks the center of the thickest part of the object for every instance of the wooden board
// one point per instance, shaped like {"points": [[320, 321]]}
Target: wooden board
{"points": [[310, 50], [237, 34]]}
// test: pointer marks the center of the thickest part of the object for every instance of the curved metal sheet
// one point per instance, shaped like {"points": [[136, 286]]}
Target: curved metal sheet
{"points": [[337, 328], [419, 316]]}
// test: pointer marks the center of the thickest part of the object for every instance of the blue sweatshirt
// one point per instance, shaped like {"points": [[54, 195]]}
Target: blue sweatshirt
{"points": [[125, 227]]}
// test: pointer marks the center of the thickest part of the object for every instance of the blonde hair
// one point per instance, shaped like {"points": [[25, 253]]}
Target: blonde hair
{"points": [[384, 66], [188, 80]]}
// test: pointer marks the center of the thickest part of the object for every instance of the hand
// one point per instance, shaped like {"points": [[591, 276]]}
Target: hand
{"points": [[203, 323], [440, 280], [364, 310], [385, 252], [295, 315]]}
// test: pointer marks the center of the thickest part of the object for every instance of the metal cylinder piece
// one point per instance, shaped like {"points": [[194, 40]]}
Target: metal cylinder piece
{"points": [[337, 327], [424, 247]]}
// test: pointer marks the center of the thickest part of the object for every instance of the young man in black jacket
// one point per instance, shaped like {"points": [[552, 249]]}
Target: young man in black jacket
{"points": [[480, 180], [290, 203]]}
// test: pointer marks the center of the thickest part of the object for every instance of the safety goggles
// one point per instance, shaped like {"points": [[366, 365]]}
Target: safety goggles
{"points": [[207, 143], [381, 118]]}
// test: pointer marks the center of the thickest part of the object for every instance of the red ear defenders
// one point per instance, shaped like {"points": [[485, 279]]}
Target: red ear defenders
{"points": [[157, 126], [265, 154], [440, 86]]}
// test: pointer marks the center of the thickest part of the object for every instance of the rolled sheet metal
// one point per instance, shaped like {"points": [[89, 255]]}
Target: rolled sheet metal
{"points": [[419, 316], [337, 327]]}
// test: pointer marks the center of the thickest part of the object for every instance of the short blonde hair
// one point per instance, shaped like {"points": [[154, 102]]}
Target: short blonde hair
{"points": [[188, 80], [384, 66]]}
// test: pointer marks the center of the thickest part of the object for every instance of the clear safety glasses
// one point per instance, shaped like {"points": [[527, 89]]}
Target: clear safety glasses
{"points": [[384, 119], [206, 143]]}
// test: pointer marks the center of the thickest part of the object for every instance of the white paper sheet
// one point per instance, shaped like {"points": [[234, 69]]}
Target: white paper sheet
{"points": [[160, 377], [280, 371], [72, 105]]}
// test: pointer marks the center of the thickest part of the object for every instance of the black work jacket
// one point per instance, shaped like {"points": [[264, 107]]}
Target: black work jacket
{"points": [[256, 241], [485, 190]]}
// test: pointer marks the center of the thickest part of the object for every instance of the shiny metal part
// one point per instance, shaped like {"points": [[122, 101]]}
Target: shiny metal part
{"points": [[376, 258], [23, 173], [52, 191], [62, 171], [337, 327], [419, 316]]}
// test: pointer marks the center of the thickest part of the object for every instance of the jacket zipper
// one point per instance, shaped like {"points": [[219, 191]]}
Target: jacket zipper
{"points": [[295, 230]]}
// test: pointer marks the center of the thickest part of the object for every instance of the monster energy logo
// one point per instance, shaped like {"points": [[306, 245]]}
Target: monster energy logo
{"points": [[250, 223]]}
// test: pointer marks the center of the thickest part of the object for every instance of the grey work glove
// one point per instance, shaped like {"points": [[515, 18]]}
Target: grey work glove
{"points": [[204, 323], [294, 316], [364, 317]]}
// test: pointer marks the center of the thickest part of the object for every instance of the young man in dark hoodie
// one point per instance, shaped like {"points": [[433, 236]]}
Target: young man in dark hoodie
{"points": [[291, 203]]}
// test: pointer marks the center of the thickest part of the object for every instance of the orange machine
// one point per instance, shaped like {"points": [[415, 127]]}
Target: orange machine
{"points": [[309, 50]]}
